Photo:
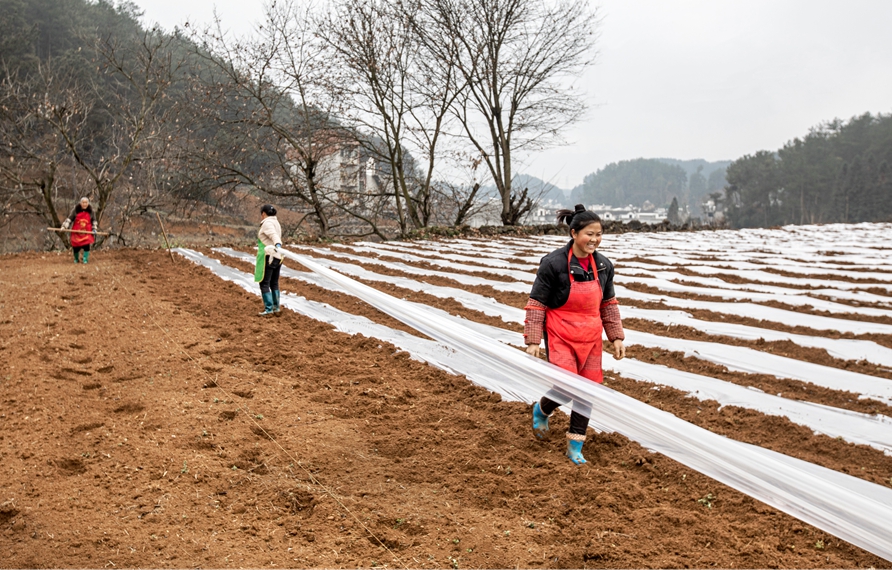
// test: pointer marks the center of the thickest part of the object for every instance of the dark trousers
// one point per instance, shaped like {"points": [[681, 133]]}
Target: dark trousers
{"points": [[578, 421], [77, 250], [271, 275]]}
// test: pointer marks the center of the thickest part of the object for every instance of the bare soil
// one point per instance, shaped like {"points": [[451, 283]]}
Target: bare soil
{"points": [[150, 418]]}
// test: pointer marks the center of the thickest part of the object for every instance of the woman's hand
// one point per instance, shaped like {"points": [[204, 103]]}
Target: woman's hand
{"points": [[619, 349], [533, 350]]}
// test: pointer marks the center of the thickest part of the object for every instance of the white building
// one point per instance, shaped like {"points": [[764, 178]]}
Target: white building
{"points": [[489, 213], [629, 213], [543, 213]]}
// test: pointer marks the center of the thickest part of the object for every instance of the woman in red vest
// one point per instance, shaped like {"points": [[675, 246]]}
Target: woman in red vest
{"points": [[83, 221], [573, 302]]}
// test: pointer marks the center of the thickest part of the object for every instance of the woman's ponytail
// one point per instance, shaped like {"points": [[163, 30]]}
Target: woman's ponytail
{"points": [[577, 218]]}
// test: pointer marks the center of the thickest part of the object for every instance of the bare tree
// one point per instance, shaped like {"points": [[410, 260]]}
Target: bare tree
{"points": [[113, 124], [32, 152], [517, 60], [272, 116], [399, 98]]}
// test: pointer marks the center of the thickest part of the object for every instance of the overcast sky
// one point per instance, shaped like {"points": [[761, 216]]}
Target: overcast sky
{"points": [[691, 78]]}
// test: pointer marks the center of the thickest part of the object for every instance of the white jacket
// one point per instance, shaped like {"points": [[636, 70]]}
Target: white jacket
{"points": [[270, 233]]}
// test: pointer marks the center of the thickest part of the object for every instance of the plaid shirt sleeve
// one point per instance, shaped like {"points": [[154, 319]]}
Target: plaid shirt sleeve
{"points": [[534, 323], [613, 323]]}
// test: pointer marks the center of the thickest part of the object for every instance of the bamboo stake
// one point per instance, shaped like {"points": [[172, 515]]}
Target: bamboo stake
{"points": [[164, 233], [78, 231]]}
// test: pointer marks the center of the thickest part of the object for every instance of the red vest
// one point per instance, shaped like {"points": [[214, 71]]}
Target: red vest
{"points": [[82, 222], [574, 329]]}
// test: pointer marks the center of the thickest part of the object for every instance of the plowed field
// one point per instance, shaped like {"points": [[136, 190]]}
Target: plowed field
{"points": [[148, 417]]}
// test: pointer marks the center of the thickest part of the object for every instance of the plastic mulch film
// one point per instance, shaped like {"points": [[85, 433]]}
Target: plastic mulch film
{"points": [[434, 353], [845, 349], [759, 312], [842, 348], [736, 358], [849, 508], [499, 334], [794, 298], [854, 427], [846, 294]]}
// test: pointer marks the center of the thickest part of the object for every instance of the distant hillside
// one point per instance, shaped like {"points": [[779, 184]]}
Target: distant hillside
{"points": [[632, 182], [538, 189], [657, 180], [691, 166], [841, 171]]}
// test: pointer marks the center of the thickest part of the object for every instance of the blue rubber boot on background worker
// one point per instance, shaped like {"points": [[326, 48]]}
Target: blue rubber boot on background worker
{"points": [[269, 259], [267, 304]]}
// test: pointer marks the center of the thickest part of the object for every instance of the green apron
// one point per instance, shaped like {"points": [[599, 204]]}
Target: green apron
{"points": [[260, 266]]}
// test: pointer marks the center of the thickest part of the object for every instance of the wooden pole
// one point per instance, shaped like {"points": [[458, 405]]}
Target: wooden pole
{"points": [[78, 231], [164, 233]]}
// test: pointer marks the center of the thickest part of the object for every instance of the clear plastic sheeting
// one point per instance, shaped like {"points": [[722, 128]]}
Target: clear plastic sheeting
{"points": [[875, 431], [524, 276], [810, 251], [845, 349], [486, 305], [661, 278], [419, 349], [854, 427], [463, 278], [488, 261], [743, 359], [851, 509], [842, 348], [788, 266], [629, 274], [760, 312], [501, 335], [755, 276], [740, 359], [795, 298]]}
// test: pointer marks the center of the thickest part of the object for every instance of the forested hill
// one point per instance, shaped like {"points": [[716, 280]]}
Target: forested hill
{"points": [[712, 172], [840, 172], [93, 104], [657, 180], [38, 30], [537, 189]]}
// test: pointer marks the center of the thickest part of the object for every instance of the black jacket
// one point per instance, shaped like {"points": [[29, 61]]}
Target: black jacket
{"points": [[77, 210], [552, 285]]}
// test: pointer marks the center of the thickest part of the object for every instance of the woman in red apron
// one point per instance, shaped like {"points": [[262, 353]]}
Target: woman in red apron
{"points": [[84, 227], [573, 302]]}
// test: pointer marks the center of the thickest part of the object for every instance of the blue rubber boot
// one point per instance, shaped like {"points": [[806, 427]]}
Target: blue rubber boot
{"points": [[277, 308], [574, 451], [86, 256], [267, 304], [77, 257], [540, 421]]}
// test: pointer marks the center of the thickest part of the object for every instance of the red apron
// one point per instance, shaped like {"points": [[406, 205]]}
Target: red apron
{"points": [[574, 329], [82, 222]]}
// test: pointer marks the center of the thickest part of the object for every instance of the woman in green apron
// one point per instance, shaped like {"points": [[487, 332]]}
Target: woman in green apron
{"points": [[269, 260]]}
